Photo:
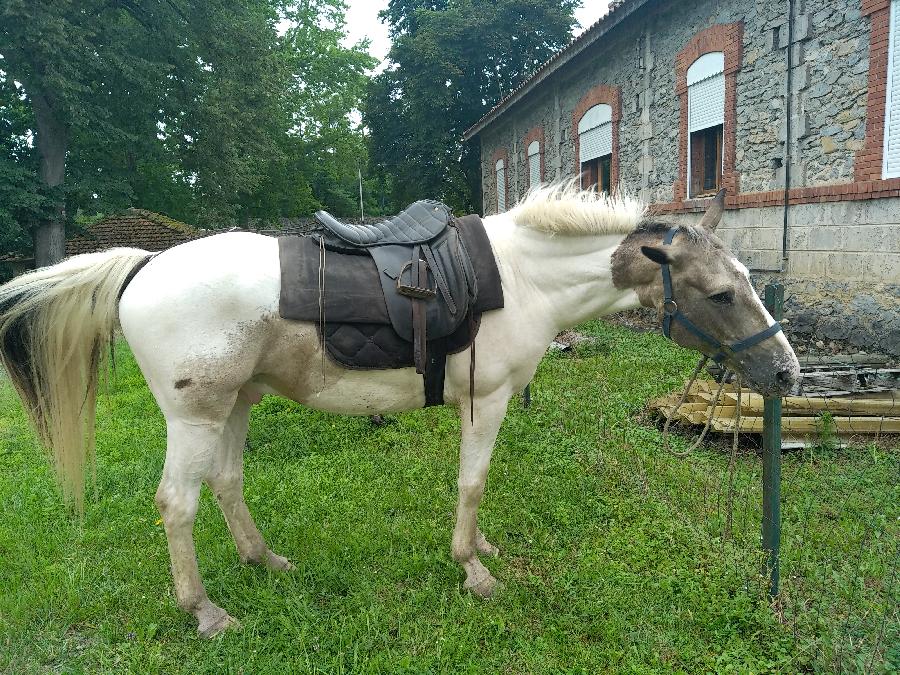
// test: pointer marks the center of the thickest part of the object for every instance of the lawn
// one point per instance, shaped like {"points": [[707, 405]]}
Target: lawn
{"points": [[613, 552]]}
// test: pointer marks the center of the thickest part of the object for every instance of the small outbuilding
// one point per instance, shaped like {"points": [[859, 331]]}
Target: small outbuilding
{"points": [[136, 228]]}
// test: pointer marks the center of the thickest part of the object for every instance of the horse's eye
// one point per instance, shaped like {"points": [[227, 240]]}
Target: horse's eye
{"points": [[726, 298]]}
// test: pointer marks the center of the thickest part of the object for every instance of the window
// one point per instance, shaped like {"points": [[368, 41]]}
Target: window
{"points": [[891, 167], [501, 186], [595, 148], [596, 173], [706, 120], [534, 163]]}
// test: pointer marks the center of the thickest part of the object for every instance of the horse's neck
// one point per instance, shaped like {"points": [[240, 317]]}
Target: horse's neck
{"points": [[568, 278]]}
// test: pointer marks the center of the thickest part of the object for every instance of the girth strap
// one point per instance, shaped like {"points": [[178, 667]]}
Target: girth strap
{"points": [[671, 311]]}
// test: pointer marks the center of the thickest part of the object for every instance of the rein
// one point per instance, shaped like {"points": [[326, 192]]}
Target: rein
{"points": [[671, 311]]}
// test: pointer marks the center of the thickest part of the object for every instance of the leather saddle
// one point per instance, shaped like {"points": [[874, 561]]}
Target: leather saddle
{"points": [[424, 269]]}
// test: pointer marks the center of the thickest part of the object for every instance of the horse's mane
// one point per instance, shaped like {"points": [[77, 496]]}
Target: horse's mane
{"points": [[563, 208]]}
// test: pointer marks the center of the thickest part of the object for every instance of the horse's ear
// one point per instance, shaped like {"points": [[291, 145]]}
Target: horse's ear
{"points": [[657, 255], [714, 213]]}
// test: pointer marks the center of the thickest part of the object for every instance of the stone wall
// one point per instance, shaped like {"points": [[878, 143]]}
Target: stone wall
{"points": [[843, 248]]}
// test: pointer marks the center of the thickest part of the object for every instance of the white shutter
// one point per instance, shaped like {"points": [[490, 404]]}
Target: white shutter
{"points": [[706, 92], [595, 133], [534, 170], [892, 107], [595, 143], [501, 186], [706, 103], [534, 163]]}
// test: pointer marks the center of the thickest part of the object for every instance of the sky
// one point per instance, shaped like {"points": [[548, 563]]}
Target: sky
{"points": [[362, 22]]}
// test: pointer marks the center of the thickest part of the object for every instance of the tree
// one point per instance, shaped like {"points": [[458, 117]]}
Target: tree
{"points": [[201, 110], [191, 99], [451, 60]]}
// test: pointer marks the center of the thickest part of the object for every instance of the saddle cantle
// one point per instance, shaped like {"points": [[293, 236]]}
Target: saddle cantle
{"points": [[418, 223], [400, 293]]}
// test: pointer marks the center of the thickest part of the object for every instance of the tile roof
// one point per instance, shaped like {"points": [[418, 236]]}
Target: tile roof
{"points": [[618, 11], [134, 227]]}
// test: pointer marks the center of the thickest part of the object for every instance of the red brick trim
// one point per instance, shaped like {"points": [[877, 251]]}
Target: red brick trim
{"points": [[501, 153], [612, 96], [729, 39], [536, 134], [868, 163], [872, 189]]}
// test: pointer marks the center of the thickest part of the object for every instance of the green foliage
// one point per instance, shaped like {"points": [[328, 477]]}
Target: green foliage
{"points": [[451, 60], [827, 431], [199, 110], [612, 553]]}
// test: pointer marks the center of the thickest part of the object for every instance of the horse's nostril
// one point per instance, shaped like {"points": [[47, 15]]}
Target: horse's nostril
{"points": [[785, 377]]}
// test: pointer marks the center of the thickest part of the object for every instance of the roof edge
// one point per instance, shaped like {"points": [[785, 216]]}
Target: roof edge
{"points": [[616, 14]]}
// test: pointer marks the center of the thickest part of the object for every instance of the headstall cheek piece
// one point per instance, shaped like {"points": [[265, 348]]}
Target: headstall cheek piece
{"points": [[671, 311]]}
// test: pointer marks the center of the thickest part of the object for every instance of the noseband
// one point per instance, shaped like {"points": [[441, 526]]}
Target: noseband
{"points": [[671, 311]]}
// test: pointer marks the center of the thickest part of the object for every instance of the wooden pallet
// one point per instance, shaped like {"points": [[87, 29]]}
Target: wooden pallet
{"points": [[870, 413]]}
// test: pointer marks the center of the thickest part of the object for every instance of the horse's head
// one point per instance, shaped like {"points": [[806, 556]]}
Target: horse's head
{"points": [[705, 300]]}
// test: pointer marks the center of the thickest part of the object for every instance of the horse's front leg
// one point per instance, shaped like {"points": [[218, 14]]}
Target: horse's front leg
{"points": [[474, 459]]}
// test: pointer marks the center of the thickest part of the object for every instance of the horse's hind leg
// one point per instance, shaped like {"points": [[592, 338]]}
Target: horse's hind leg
{"points": [[192, 449], [227, 482]]}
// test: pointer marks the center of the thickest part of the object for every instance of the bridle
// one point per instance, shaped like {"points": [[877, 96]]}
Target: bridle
{"points": [[671, 311]]}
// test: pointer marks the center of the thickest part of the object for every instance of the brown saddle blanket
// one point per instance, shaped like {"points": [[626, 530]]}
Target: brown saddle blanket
{"points": [[357, 331]]}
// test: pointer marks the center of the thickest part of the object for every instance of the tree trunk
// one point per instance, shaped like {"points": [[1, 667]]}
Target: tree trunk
{"points": [[52, 140]]}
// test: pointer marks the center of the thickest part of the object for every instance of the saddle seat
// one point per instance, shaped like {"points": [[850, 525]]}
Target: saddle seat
{"points": [[418, 223]]}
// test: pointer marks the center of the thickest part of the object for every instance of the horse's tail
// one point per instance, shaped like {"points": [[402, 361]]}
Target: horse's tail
{"points": [[55, 323]]}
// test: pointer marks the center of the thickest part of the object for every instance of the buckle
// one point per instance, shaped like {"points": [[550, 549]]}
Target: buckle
{"points": [[670, 307]]}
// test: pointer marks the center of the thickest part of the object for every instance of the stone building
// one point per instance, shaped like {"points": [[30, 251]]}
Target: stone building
{"points": [[791, 105]]}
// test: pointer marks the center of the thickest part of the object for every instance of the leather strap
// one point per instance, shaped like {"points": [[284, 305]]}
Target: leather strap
{"points": [[439, 279], [419, 274]]}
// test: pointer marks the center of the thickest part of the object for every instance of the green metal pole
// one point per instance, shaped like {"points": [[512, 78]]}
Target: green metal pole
{"points": [[771, 524]]}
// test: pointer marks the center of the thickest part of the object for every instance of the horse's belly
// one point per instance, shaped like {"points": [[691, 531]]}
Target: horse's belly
{"points": [[367, 392], [293, 367]]}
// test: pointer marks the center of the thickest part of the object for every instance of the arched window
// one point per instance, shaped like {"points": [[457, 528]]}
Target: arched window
{"points": [[595, 146], [706, 121], [500, 170], [534, 163]]}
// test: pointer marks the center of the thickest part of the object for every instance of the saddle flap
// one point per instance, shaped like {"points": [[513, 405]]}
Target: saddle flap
{"points": [[443, 314]]}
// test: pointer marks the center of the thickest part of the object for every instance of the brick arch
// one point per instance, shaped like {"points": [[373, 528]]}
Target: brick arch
{"points": [[536, 134], [611, 96], [727, 38], [500, 153]]}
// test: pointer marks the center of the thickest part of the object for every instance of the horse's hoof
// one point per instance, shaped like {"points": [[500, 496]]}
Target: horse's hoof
{"points": [[215, 623], [278, 563], [485, 588]]}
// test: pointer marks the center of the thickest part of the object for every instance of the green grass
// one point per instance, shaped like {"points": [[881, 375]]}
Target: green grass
{"points": [[613, 555]]}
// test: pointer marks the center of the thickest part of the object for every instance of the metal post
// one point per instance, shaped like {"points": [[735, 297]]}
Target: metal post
{"points": [[771, 524], [526, 397]]}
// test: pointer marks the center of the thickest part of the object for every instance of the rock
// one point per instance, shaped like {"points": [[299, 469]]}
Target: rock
{"points": [[820, 344], [828, 144]]}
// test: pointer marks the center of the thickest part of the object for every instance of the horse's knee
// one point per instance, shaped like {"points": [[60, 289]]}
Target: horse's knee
{"points": [[175, 508]]}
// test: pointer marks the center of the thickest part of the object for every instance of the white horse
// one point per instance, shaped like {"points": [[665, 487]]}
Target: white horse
{"points": [[202, 321]]}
